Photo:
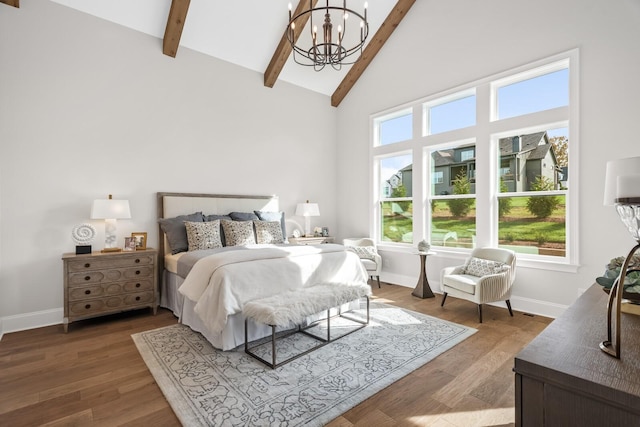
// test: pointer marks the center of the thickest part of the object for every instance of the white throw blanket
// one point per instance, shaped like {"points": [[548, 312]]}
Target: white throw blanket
{"points": [[220, 284]]}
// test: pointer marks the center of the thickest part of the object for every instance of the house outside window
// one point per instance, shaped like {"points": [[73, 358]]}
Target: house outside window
{"points": [[518, 160]]}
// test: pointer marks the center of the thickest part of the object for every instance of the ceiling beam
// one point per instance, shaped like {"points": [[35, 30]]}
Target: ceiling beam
{"points": [[284, 48], [175, 24], [371, 50], [14, 3]]}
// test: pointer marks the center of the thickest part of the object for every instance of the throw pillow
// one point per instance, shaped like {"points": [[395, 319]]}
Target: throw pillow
{"points": [[176, 232], [243, 216], [274, 216], [213, 217], [481, 267], [238, 233], [268, 232], [203, 235], [366, 252]]}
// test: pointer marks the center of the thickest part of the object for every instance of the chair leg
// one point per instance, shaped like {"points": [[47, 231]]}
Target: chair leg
{"points": [[509, 307], [480, 312], [444, 297], [378, 279]]}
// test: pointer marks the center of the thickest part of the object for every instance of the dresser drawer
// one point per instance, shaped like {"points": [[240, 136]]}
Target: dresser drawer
{"points": [[113, 275], [94, 263], [85, 292], [109, 304]]}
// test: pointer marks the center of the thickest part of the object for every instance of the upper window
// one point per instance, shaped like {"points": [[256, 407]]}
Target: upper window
{"points": [[394, 128], [451, 114], [533, 94]]}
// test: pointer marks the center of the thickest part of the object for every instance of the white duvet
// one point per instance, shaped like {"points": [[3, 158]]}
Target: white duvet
{"points": [[221, 283]]}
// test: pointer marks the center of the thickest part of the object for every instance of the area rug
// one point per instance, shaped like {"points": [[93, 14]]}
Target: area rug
{"points": [[210, 387]]}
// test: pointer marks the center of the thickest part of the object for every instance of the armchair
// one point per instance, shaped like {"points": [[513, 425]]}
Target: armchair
{"points": [[487, 276], [368, 253]]}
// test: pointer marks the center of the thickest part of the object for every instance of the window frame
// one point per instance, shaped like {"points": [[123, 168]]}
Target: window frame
{"points": [[486, 132]]}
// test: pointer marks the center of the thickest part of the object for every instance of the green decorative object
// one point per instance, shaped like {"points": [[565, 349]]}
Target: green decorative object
{"points": [[631, 281]]}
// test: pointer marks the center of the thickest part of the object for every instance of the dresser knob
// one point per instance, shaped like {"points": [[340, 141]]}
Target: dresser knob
{"points": [[87, 292], [87, 265], [87, 277], [137, 260], [137, 271], [88, 306], [137, 298], [137, 285]]}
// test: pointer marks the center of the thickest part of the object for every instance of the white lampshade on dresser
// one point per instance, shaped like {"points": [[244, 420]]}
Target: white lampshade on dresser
{"points": [[110, 210]]}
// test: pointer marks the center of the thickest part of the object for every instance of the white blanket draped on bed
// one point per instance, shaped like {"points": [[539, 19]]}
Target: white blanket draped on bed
{"points": [[221, 283]]}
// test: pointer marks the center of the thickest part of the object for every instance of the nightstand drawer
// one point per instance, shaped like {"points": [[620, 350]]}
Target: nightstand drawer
{"points": [[79, 293], [114, 275], [91, 263]]}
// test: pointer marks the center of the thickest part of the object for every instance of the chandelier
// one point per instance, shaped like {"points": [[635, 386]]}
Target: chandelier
{"points": [[328, 48]]}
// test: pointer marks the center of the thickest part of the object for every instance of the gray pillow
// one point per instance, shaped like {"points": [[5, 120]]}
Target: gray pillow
{"points": [[243, 216], [176, 231], [273, 216]]}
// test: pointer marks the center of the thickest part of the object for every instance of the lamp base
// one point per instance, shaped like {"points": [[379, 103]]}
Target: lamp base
{"points": [[105, 250]]}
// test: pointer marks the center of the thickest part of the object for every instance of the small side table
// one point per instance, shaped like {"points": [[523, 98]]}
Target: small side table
{"points": [[423, 290]]}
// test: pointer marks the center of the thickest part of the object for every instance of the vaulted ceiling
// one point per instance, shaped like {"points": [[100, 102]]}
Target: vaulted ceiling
{"points": [[249, 33]]}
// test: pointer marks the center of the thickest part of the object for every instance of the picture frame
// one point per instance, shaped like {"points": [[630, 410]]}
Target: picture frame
{"points": [[140, 237], [129, 244], [325, 231]]}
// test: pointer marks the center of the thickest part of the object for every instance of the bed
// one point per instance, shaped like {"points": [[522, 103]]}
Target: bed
{"points": [[207, 286]]}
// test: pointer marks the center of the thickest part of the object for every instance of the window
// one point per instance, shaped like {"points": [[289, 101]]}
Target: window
{"points": [[396, 201], [450, 114], [453, 214], [505, 181], [394, 128]]}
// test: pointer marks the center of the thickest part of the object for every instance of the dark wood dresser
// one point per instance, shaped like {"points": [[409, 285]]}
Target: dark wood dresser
{"points": [[564, 379]]}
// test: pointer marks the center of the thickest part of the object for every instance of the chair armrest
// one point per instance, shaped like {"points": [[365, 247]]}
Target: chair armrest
{"points": [[494, 287], [458, 269]]}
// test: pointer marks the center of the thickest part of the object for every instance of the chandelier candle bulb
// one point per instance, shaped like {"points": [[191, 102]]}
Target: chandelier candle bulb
{"points": [[628, 187]]}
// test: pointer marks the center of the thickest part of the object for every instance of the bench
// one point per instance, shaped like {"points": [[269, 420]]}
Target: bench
{"points": [[292, 308]]}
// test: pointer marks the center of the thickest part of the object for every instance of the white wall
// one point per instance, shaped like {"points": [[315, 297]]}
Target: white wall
{"points": [[89, 108], [441, 45]]}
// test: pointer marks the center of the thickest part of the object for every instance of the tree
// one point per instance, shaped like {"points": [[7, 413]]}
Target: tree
{"points": [[461, 185], [401, 191], [542, 206], [504, 203], [560, 146]]}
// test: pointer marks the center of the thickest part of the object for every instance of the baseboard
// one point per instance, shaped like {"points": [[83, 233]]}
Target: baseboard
{"points": [[36, 319], [525, 305]]}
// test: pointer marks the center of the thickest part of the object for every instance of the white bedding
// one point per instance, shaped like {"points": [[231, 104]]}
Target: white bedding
{"points": [[220, 284]]}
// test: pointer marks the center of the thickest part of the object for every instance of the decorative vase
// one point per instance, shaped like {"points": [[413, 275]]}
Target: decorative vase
{"points": [[424, 246]]}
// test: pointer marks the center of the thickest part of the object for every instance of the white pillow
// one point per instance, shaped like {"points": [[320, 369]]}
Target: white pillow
{"points": [[366, 252], [238, 233], [481, 267], [203, 235], [268, 232]]}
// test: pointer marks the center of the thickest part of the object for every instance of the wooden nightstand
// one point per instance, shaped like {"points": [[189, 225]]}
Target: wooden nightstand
{"points": [[310, 240], [97, 284]]}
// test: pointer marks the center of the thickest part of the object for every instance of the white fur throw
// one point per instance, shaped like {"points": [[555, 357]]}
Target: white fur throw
{"points": [[293, 307]]}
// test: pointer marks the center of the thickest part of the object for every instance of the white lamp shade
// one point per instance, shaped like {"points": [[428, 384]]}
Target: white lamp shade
{"points": [[110, 209], [622, 179], [307, 209]]}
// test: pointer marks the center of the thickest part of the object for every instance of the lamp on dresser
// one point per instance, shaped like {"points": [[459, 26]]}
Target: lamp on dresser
{"points": [[110, 210], [307, 210], [622, 189]]}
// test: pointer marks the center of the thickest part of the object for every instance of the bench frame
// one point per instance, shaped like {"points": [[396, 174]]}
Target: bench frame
{"points": [[298, 329]]}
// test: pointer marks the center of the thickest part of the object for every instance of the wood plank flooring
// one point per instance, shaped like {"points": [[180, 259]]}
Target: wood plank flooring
{"points": [[94, 375]]}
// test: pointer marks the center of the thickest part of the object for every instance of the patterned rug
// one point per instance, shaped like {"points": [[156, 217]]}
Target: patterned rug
{"points": [[206, 386]]}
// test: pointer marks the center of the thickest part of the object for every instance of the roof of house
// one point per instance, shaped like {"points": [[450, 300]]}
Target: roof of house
{"points": [[529, 142]]}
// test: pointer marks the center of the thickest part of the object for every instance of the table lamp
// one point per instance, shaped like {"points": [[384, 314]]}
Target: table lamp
{"points": [[622, 189], [307, 210], [110, 210]]}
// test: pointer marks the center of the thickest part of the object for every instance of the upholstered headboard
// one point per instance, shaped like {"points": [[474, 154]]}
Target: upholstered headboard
{"points": [[173, 204]]}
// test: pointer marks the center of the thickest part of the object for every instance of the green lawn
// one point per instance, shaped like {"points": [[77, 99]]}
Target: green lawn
{"points": [[517, 226]]}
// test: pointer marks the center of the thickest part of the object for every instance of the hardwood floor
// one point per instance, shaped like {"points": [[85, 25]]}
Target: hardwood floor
{"points": [[94, 375]]}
